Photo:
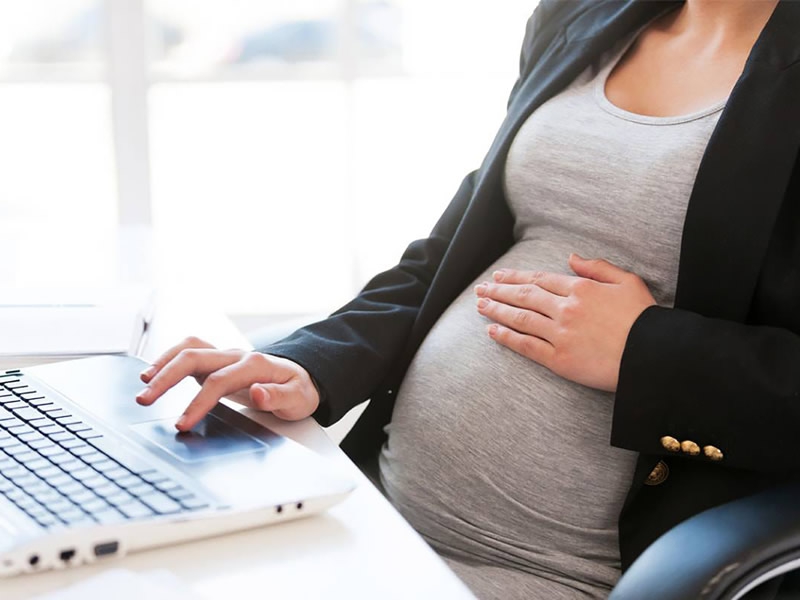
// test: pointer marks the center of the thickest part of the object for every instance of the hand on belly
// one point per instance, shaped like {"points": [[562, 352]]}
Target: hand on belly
{"points": [[576, 326]]}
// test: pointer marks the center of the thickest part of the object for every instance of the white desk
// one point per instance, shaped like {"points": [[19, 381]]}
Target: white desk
{"points": [[361, 548]]}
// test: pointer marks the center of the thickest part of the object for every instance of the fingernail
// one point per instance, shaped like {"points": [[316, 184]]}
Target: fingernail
{"points": [[180, 422], [144, 394], [492, 330], [576, 255], [264, 395], [483, 303], [148, 372], [498, 275], [481, 288]]}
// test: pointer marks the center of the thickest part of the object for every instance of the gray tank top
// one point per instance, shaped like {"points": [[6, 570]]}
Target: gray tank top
{"points": [[505, 468]]}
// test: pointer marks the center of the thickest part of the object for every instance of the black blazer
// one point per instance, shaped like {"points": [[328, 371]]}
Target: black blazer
{"points": [[721, 368]]}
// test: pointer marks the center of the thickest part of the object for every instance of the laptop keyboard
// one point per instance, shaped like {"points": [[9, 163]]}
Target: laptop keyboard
{"points": [[62, 472]]}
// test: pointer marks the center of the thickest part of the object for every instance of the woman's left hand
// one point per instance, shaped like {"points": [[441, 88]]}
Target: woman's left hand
{"points": [[575, 326]]}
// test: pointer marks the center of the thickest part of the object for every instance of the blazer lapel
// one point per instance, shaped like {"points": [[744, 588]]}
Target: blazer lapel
{"points": [[581, 43], [743, 177], [477, 241]]}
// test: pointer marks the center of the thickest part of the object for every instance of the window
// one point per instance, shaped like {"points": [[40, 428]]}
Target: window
{"points": [[282, 153]]}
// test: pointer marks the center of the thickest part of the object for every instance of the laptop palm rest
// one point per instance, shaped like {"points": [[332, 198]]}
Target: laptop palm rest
{"points": [[230, 455]]}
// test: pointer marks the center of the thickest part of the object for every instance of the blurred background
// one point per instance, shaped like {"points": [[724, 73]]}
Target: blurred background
{"points": [[269, 157]]}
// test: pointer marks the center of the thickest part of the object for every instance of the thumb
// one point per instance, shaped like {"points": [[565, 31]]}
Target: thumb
{"points": [[268, 396], [284, 400], [596, 269]]}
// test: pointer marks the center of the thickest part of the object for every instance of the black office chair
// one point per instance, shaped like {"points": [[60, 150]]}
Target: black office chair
{"points": [[725, 553]]}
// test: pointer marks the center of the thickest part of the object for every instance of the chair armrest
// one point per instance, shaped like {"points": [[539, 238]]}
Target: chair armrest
{"points": [[721, 553]]}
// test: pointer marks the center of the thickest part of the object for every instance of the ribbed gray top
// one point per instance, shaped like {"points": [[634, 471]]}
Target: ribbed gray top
{"points": [[504, 467]]}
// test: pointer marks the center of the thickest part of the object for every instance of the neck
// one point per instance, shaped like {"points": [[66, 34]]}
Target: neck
{"points": [[723, 23]]}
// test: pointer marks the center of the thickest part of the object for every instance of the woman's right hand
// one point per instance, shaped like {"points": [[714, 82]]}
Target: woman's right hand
{"points": [[261, 381]]}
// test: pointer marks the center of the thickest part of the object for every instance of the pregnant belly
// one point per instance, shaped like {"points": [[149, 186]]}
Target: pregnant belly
{"points": [[488, 444]]}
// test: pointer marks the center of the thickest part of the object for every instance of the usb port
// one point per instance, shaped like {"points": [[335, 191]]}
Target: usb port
{"points": [[66, 555], [106, 549]]}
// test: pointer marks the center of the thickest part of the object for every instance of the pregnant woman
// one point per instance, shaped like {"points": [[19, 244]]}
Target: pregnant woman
{"points": [[601, 336]]}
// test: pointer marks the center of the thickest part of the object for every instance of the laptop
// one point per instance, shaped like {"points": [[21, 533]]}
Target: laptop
{"points": [[87, 474]]}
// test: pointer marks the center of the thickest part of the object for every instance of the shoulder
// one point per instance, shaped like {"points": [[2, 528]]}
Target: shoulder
{"points": [[552, 18], [559, 14]]}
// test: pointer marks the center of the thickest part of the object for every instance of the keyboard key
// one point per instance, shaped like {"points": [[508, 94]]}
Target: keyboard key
{"points": [[155, 477], [167, 486], [62, 437], [120, 498], [31, 437], [37, 402], [37, 510], [59, 480], [142, 489], [109, 515], [27, 503], [161, 503], [9, 422], [51, 430], [47, 472], [16, 405], [19, 452], [75, 517], [135, 510], [72, 443], [92, 505], [70, 488], [47, 520], [115, 473], [65, 420], [83, 450], [50, 409], [89, 434], [10, 442], [65, 459], [53, 451], [20, 429], [128, 481], [94, 482], [26, 413], [83, 473], [107, 489], [105, 465], [78, 427], [5, 415], [74, 465], [40, 444], [57, 413], [194, 503], [94, 458]]}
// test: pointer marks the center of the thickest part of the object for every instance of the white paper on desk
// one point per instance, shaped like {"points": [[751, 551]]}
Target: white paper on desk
{"points": [[64, 323], [122, 584]]}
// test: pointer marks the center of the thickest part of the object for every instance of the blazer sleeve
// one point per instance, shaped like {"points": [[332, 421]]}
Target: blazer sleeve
{"points": [[351, 352], [718, 383]]}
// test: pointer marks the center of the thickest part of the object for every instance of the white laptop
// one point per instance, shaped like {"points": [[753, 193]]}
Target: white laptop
{"points": [[87, 474]]}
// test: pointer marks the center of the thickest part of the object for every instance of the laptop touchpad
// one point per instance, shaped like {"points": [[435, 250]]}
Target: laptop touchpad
{"points": [[211, 438]]}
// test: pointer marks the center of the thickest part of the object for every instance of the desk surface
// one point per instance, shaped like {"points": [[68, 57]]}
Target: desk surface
{"points": [[361, 548]]}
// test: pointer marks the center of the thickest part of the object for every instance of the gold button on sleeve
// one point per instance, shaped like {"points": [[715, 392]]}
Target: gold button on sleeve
{"points": [[713, 453], [690, 448], [658, 475], [670, 444]]}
